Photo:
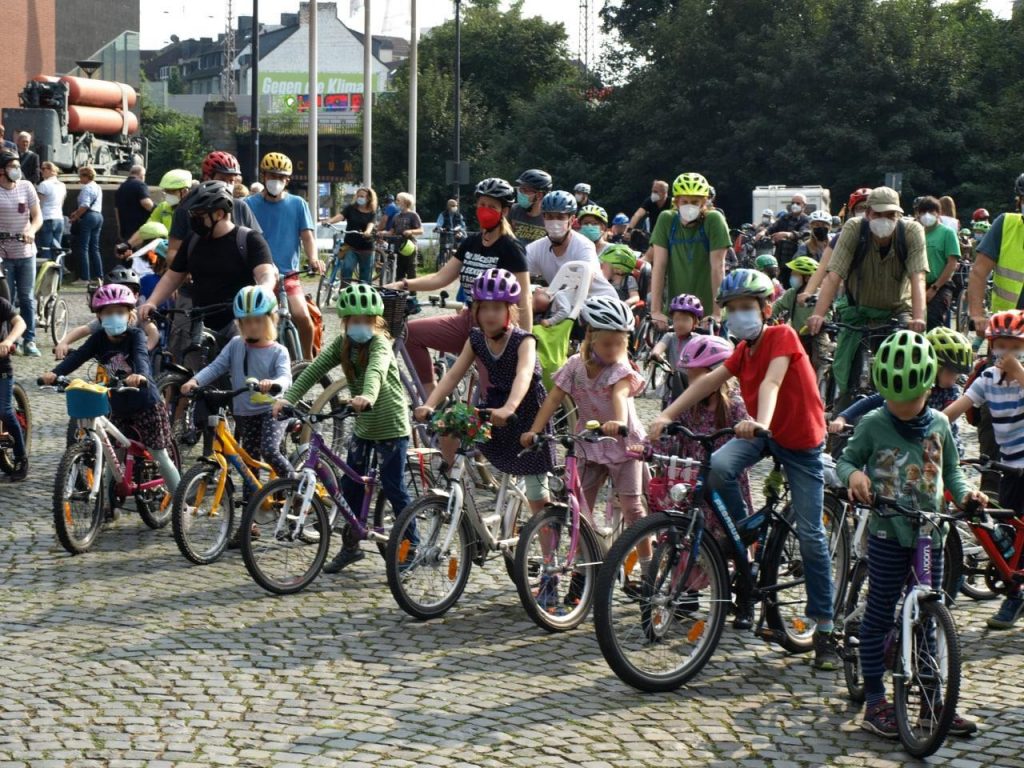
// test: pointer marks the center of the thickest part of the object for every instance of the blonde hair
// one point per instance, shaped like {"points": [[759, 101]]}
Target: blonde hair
{"points": [[380, 328], [948, 206], [269, 332], [240, 190], [513, 314], [588, 341], [407, 199], [371, 197], [88, 171]]}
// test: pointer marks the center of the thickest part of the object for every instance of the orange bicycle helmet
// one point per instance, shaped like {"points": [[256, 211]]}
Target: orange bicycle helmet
{"points": [[1006, 325]]}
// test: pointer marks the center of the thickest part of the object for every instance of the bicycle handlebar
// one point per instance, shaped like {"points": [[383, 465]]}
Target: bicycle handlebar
{"points": [[193, 313], [211, 392], [343, 411], [985, 464], [61, 383]]}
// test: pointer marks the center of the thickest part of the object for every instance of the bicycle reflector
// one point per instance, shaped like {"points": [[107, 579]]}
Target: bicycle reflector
{"points": [[85, 400]]}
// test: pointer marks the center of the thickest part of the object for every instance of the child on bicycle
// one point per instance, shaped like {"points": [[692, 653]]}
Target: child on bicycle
{"points": [[253, 354], [120, 347], [788, 305], [382, 424], [509, 354], [904, 450], [617, 264], [778, 386], [686, 311], [1001, 388], [12, 326], [769, 265]]}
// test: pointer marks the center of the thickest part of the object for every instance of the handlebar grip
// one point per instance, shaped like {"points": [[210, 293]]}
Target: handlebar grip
{"points": [[275, 389], [623, 431], [763, 433], [41, 383], [512, 420]]}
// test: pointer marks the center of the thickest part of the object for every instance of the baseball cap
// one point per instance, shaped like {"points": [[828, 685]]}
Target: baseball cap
{"points": [[884, 200]]}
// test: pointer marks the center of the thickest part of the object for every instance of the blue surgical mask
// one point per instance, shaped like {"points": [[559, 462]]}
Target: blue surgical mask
{"points": [[359, 333], [745, 324], [115, 325], [591, 231], [523, 200], [360, 201], [795, 281]]}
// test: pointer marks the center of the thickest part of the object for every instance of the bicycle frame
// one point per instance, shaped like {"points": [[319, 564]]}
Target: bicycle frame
{"points": [[100, 431], [227, 451], [983, 533]]}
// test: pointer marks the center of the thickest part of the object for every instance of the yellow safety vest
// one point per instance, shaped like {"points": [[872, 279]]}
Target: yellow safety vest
{"points": [[1008, 281]]}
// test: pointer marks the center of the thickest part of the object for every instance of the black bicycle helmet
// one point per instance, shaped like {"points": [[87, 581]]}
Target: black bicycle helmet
{"points": [[6, 156], [123, 276], [535, 179], [212, 196], [499, 189], [1018, 185]]}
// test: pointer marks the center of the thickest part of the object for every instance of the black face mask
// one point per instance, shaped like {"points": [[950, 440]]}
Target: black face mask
{"points": [[201, 228], [820, 233]]}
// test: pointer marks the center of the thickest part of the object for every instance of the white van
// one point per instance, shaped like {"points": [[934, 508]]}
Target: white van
{"points": [[778, 196]]}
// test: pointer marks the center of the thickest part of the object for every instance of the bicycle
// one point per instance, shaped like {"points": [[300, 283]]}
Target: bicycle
{"points": [[330, 280], [428, 576], [558, 543], [51, 309], [287, 332], [23, 413], [78, 491], [448, 245], [923, 649], [203, 507], [658, 624], [386, 258]]}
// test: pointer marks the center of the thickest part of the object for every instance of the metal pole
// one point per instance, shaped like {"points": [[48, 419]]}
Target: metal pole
{"points": [[254, 90], [458, 94], [413, 89], [312, 189], [367, 98]]}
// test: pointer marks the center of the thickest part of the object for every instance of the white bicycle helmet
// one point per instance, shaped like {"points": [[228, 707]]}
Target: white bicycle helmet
{"points": [[603, 313], [823, 216]]}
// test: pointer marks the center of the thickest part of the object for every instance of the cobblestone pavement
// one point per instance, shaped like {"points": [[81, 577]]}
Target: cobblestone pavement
{"points": [[129, 656]]}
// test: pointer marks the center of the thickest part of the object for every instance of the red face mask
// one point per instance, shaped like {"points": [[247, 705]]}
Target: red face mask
{"points": [[488, 217]]}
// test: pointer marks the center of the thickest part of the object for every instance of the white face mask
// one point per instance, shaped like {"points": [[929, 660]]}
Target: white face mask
{"points": [[795, 208], [655, 197], [882, 227], [556, 229], [275, 187], [689, 213], [171, 198], [928, 219], [13, 174], [579, 197]]}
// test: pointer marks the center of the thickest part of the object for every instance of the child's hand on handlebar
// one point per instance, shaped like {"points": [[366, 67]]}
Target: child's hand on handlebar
{"points": [[748, 428], [48, 378], [360, 403], [656, 427], [976, 496], [611, 428], [423, 413], [135, 380], [527, 438], [278, 406], [837, 425], [265, 385], [500, 416], [860, 487], [6, 349], [189, 387]]}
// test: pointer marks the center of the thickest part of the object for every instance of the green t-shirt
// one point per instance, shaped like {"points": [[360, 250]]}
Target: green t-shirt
{"points": [[942, 243], [797, 312], [689, 252]]}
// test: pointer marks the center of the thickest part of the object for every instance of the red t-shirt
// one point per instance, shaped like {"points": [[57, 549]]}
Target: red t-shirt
{"points": [[799, 420]]}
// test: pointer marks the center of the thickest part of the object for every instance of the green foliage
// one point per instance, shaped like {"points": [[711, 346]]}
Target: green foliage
{"points": [[175, 141]]}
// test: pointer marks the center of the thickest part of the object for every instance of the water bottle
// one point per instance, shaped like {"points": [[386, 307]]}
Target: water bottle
{"points": [[1004, 540], [773, 484]]}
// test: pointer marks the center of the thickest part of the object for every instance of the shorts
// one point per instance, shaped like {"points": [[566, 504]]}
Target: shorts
{"points": [[627, 477], [293, 286], [536, 487]]}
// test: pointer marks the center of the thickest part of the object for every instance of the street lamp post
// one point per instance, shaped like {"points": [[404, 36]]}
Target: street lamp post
{"points": [[313, 188], [458, 94], [254, 74], [413, 97]]}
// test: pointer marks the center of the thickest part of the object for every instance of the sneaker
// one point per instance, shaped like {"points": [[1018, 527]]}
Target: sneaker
{"points": [[20, 471], [825, 656], [343, 559], [744, 618], [30, 349], [881, 720], [547, 595], [575, 593], [1008, 613], [960, 726]]}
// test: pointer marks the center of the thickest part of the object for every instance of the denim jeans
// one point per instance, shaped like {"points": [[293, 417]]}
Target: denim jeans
{"points": [[362, 259], [90, 261], [391, 457], [7, 415], [806, 490], [21, 275], [50, 234]]}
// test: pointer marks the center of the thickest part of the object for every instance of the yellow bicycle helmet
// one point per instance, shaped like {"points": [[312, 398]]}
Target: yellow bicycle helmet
{"points": [[691, 184], [178, 178], [275, 162], [803, 265]]}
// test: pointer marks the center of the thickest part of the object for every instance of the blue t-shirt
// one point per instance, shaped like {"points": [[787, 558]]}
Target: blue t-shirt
{"points": [[390, 211], [282, 224]]}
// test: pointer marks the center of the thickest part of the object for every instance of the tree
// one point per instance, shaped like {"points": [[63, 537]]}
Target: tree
{"points": [[175, 140]]}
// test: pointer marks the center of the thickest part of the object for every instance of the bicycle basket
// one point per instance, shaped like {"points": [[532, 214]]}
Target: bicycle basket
{"points": [[681, 472], [461, 421], [86, 401], [396, 310]]}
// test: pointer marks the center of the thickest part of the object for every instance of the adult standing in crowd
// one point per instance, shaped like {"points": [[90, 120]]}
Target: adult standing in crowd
{"points": [[52, 193], [1001, 250], [948, 217], [785, 233], [359, 217], [20, 216], [943, 256], [453, 224], [525, 216], [132, 203], [29, 159], [89, 216], [5, 144], [405, 226], [647, 213]]}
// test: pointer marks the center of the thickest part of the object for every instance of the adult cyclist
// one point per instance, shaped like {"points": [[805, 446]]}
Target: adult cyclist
{"points": [[1001, 250], [525, 216]]}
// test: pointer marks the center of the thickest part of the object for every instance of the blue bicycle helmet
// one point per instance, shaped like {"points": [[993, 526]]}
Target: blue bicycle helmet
{"points": [[744, 282], [558, 201], [620, 218], [253, 301]]}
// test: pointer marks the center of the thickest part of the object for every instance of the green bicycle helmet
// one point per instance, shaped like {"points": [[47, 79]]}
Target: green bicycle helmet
{"points": [[952, 349], [596, 211], [619, 256], [766, 261], [904, 367], [744, 282], [360, 299], [803, 265], [691, 184], [178, 178], [981, 226], [152, 230]]}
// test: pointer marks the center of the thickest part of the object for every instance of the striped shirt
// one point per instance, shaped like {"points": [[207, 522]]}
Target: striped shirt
{"points": [[16, 214], [1005, 400]]}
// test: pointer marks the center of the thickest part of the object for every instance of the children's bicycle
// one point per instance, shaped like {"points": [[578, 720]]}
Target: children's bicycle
{"points": [[203, 509], [79, 490], [23, 413], [658, 622], [51, 309]]}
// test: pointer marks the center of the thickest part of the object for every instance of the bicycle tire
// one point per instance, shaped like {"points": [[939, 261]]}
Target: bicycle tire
{"points": [[23, 414], [289, 338], [424, 560], [636, 602], [568, 601], [59, 320], [258, 527], [186, 514], [330, 398], [976, 564], [325, 288], [154, 505], [952, 566], [784, 562], [853, 614], [187, 436], [72, 482], [939, 709]]}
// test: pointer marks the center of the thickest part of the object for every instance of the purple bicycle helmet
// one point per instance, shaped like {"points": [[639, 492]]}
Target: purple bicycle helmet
{"points": [[497, 285], [686, 302], [113, 295], [705, 352]]}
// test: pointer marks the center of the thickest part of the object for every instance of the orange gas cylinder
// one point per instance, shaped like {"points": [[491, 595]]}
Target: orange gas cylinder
{"points": [[96, 93], [104, 122], [46, 79]]}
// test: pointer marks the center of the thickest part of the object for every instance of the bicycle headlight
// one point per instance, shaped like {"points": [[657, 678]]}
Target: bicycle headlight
{"points": [[556, 484], [679, 492]]}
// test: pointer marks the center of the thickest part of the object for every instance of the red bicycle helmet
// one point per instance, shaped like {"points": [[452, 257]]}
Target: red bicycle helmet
{"points": [[1006, 325], [857, 197], [219, 161], [981, 214]]}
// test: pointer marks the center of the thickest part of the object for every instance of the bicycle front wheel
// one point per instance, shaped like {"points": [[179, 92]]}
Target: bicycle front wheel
{"points": [[926, 687], [58, 320], [282, 552], [658, 624], [426, 576], [556, 586], [76, 519], [200, 521]]}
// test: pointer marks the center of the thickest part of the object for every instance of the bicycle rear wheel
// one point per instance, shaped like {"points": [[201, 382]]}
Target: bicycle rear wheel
{"points": [[328, 283], [23, 414], [201, 525], [154, 505], [853, 615], [279, 553], [59, 319], [655, 630], [76, 519], [926, 694]]}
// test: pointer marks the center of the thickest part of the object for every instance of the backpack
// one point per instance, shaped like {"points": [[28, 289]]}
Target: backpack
{"points": [[241, 242], [318, 324], [861, 252]]}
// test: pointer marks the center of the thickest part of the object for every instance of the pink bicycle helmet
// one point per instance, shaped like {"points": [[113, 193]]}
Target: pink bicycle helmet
{"points": [[113, 295], [686, 302], [497, 285], [705, 352]]}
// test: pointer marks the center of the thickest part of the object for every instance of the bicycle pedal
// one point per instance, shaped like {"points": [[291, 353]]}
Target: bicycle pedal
{"points": [[767, 634]]}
